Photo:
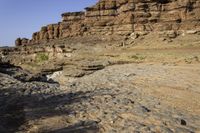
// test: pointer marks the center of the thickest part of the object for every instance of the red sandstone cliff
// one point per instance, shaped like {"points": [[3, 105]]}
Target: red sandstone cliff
{"points": [[122, 17]]}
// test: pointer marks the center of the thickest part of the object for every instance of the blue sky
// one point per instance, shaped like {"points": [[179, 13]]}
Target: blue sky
{"points": [[20, 18]]}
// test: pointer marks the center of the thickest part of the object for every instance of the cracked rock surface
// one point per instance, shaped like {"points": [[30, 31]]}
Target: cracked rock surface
{"points": [[120, 98]]}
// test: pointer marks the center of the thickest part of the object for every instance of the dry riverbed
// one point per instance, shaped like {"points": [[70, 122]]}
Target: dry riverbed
{"points": [[120, 98]]}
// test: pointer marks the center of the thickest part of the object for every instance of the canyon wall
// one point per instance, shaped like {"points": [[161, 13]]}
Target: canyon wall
{"points": [[122, 17]]}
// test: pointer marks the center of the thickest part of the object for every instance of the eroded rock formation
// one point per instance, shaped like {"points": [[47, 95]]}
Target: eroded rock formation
{"points": [[122, 17]]}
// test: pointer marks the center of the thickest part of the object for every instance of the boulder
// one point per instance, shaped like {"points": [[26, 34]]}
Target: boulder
{"points": [[18, 42]]}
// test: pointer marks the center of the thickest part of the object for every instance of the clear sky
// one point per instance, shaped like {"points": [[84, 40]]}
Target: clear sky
{"points": [[20, 18]]}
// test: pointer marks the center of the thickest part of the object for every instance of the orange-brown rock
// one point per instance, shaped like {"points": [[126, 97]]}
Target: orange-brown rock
{"points": [[122, 17], [18, 42], [21, 42]]}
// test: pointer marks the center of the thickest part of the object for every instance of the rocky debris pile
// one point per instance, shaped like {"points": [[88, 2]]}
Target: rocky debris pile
{"points": [[35, 54], [26, 76], [19, 74], [122, 17], [168, 36], [17, 91]]}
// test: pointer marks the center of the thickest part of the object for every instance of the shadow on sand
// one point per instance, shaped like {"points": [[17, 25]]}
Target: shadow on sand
{"points": [[15, 107]]}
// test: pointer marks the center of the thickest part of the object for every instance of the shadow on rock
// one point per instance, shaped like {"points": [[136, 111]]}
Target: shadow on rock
{"points": [[22, 75], [17, 109], [30, 101], [12, 114], [44, 105]]}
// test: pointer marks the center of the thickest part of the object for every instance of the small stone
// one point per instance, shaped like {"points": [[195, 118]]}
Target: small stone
{"points": [[183, 122], [134, 36], [145, 109], [191, 31]]}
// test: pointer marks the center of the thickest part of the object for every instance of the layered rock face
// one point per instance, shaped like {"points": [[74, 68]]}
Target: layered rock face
{"points": [[122, 17]]}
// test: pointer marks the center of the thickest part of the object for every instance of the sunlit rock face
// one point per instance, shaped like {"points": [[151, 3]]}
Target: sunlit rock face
{"points": [[122, 17]]}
